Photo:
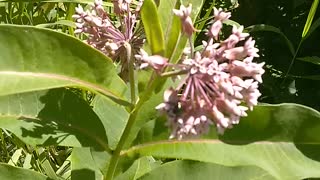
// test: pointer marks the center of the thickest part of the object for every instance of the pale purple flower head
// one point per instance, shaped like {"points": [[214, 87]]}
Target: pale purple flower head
{"points": [[101, 32], [221, 84]]}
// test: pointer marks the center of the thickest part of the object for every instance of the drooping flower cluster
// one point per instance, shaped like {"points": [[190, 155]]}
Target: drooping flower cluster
{"points": [[220, 85], [103, 34]]}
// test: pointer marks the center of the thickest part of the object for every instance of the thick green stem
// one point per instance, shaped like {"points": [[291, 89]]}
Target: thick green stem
{"points": [[116, 154], [173, 73], [191, 47], [131, 73], [70, 12], [147, 94]]}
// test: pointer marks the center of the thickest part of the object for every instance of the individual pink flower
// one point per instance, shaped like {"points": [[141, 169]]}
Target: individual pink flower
{"points": [[158, 63], [220, 15], [219, 18], [186, 21], [117, 6]]}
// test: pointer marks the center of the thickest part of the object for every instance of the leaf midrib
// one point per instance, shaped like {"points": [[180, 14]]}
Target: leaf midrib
{"points": [[65, 78], [133, 149]]}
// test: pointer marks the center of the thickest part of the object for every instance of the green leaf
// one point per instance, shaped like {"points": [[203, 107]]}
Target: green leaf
{"points": [[83, 166], [165, 13], [190, 170], [311, 14], [170, 23], [264, 27], [27, 162], [15, 157], [231, 23], [312, 77], [54, 117], [140, 167], [146, 132], [311, 59], [113, 117], [280, 139], [182, 41], [152, 27], [202, 22], [101, 159], [15, 173], [36, 59], [147, 113], [173, 36], [60, 22], [313, 27]]}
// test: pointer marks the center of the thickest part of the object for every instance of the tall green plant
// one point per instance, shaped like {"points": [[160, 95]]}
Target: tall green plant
{"points": [[119, 134]]}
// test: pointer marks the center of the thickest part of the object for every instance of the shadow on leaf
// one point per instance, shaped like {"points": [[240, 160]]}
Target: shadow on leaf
{"points": [[288, 123], [85, 174], [68, 120]]}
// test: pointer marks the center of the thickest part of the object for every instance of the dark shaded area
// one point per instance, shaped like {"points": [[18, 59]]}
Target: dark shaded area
{"points": [[248, 131], [83, 174], [290, 17], [279, 125], [63, 115]]}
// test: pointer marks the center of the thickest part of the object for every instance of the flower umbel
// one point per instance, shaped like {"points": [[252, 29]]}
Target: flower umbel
{"points": [[104, 35], [220, 84]]}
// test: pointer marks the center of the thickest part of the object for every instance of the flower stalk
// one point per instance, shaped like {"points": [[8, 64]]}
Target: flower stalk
{"points": [[131, 72], [132, 118]]}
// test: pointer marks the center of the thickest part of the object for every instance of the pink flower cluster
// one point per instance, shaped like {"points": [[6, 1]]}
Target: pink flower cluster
{"points": [[221, 81], [103, 34]]}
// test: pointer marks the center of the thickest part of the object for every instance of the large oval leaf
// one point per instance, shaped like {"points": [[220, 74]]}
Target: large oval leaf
{"points": [[36, 59], [147, 112], [113, 116], [140, 167], [190, 170], [171, 25], [15, 173], [281, 160], [310, 59], [280, 139], [83, 166], [152, 27], [54, 117]]}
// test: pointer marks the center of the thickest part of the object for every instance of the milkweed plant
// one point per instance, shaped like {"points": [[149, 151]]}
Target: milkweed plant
{"points": [[216, 85], [147, 90]]}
